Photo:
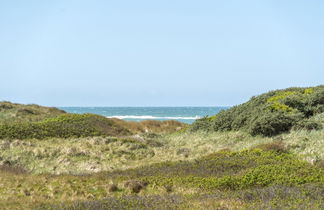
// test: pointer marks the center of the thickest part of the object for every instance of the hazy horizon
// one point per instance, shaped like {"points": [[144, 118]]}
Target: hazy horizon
{"points": [[157, 53]]}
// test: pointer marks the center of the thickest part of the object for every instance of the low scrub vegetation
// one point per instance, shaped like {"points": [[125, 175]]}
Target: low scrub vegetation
{"points": [[250, 178], [270, 114], [231, 170], [265, 154], [63, 126], [94, 154], [273, 197]]}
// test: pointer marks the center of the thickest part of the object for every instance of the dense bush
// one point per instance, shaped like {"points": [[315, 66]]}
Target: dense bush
{"points": [[309, 124], [63, 126], [273, 123], [201, 124], [269, 114]]}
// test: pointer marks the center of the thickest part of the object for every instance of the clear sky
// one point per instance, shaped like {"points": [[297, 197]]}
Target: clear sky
{"points": [[157, 52]]}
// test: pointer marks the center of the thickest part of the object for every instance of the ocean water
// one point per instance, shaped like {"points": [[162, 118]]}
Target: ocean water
{"points": [[182, 114]]}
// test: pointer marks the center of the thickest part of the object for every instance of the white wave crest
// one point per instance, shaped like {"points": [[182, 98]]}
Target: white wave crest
{"points": [[148, 117]]}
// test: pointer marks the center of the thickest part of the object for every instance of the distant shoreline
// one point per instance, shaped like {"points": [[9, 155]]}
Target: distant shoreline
{"points": [[186, 114]]}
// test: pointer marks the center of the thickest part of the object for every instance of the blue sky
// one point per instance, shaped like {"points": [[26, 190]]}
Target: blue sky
{"points": [[157, 53]]}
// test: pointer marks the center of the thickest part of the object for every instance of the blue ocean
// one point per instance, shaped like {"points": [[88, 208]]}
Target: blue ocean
{"points": [[182, 114]]}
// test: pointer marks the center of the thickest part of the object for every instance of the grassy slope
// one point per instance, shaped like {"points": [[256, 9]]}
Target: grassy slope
{"points": [[18, 112], [63, 126], [151, 126], [258, 178], [19, 121], [182, 176], [93, 154]]}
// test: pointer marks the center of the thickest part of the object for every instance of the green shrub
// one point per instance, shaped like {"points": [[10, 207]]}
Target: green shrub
{"points": [[202, 124], [308, 124], [269, 114], [271, 124]]}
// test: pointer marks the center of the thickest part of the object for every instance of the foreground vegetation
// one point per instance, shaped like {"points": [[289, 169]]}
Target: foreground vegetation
{"points": [[266, 176], [267, 153], [95, 154]]}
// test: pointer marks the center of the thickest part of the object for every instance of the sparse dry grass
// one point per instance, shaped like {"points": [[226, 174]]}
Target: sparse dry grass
{"points": [[95, 154], [151, 126]]}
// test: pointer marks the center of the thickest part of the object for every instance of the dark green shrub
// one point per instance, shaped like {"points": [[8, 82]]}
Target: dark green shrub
{"points": [[268, 114], [202, 124], [273, 123], [308, 124]]}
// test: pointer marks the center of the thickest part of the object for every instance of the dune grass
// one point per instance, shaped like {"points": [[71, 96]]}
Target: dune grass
{"points": [[183, 170], [249, 178], [83, 125], [13, 112], [94, 154], [151, 126]]}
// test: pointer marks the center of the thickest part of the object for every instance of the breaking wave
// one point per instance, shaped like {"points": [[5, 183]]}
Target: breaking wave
{"points": [[149, 117]]}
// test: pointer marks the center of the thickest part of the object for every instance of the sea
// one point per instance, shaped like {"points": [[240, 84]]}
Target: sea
{"points": [[182, 114]]}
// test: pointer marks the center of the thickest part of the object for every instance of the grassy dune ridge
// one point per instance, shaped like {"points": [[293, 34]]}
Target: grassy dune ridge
{"points": [[267, 153], [41, 124], [13, 112], [94, 154]]}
